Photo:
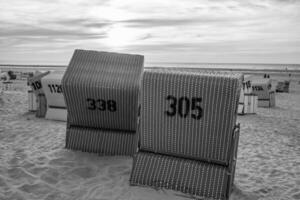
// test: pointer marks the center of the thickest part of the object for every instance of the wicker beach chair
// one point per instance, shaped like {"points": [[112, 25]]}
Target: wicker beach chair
{"points": [[56, 107], [101, 92], [263, 89], [188, 132]]}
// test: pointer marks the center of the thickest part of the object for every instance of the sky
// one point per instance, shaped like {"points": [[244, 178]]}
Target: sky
{"points": [[215, 31]]}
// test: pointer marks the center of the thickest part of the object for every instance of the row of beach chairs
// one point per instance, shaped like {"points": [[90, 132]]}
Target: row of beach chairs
{"points": [[179, 125], [46, 96]]}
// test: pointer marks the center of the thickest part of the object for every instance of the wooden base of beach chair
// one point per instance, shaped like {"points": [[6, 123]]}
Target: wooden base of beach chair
{"points": [[59, 114], [104, 142]]}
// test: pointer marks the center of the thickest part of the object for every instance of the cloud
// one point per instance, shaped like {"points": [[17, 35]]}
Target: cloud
{"points": [[227, 29]]}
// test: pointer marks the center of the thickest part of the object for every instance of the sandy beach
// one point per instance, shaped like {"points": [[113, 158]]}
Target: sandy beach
{"points": [[35, 165]]}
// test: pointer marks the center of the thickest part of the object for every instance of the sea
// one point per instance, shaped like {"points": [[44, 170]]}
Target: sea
{"points": [[213, 66]]}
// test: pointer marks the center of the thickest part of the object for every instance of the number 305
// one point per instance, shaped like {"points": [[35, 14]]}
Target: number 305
{"points": [[185, 106]]}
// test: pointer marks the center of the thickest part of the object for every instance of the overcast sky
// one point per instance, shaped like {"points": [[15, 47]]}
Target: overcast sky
{"points": [[245, 31]]}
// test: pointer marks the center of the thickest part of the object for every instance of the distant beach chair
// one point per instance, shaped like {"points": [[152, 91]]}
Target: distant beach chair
{"points": [[188, 132], [101, 92], [283, 86], [7, 85], [263, 89], [248, 100], [36, 87], [4, 76], [56, 107]]}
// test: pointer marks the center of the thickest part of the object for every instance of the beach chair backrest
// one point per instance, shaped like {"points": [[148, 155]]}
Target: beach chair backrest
{"points": [[189, 114], [101, 89]]}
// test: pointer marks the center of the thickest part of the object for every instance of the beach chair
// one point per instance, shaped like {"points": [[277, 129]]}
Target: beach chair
{"points": [[188, 132], [263, 89], [56, 107], [248, 100], [283, 86], [101, 92], [36, 87]]}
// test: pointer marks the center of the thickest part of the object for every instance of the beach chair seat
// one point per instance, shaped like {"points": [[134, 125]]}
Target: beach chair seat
{"points": [[188, 132], [263, 89], [56, 107], [101, 92]]}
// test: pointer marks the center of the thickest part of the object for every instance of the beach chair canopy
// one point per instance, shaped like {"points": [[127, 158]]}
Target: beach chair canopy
{"points": [[187, 131]]}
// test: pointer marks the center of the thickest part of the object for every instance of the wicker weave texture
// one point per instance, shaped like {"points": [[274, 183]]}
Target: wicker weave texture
{"points": [[207, 138], [104, 142], [188, 176], [99, 78]]}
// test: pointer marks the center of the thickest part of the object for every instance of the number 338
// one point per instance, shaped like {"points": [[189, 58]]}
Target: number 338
{"points": [[184, 107]]}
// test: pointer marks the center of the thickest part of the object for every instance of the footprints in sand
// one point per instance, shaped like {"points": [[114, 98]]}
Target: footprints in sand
{"points": [[34, 164], [84, 172], [38, 190], [18, 174]]}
